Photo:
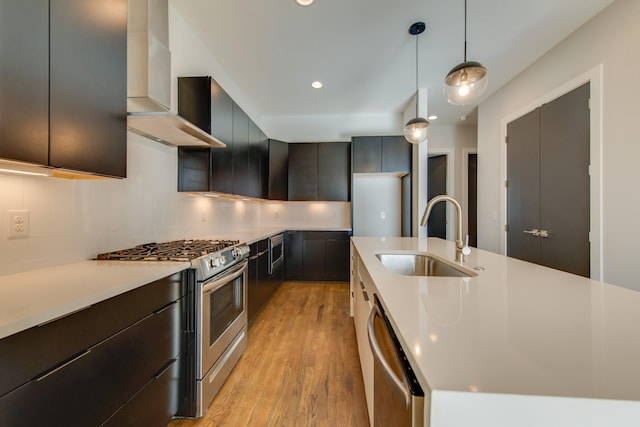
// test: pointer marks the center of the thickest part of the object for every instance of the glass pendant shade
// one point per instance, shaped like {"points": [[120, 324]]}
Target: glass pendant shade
{"points": [[465, 83], [415, 131]]}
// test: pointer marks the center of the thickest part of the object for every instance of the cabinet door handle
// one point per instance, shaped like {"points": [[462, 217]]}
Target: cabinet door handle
{"points": [[364, 294], [544, 233], [67, 363], [534, 232]]}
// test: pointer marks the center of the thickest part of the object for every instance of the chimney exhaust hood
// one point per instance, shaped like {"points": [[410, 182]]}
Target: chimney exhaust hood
{"points": [[149, 79]]}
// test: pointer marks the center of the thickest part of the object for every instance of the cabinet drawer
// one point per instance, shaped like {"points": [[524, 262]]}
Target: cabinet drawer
{"points": [[86, 390], [27, 354], [155, 404]]}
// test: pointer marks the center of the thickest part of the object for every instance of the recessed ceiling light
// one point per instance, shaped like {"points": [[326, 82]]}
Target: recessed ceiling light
{"points": [[317, 84], [304, 2], [432, 117]]}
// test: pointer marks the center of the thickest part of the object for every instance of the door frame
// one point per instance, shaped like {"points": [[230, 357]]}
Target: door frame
{"points": [[450, 155], [465, 187], [594, 77]]}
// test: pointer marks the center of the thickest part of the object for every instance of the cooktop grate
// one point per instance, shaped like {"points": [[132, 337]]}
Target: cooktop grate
{"points": [[177, 250]]}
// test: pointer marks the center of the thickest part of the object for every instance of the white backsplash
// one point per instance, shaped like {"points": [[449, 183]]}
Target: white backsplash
{"points": [[74, 220]]}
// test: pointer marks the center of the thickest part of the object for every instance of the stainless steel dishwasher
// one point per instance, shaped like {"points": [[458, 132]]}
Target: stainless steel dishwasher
{"points": [[398, 399]]}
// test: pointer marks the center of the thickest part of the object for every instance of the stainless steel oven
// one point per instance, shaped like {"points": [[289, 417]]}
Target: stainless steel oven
{"points": [[222, 324], [276, 253], [216, 334]]}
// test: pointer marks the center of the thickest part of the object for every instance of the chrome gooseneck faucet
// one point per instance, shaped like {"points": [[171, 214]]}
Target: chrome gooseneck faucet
{"points": [[462, 248]]}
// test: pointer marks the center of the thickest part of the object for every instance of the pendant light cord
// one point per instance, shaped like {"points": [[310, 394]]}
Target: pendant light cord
{"points": [[417, 97], [465, 30]]}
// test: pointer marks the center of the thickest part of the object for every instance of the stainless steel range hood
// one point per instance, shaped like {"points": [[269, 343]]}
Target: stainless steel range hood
{"points": [[149, 79]]}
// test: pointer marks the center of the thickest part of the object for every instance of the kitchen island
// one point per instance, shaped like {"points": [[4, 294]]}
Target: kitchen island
{"points": [[515, 344]]}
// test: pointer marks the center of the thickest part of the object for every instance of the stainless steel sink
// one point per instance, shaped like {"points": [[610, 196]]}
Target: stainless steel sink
{"points": [[414, 264]]}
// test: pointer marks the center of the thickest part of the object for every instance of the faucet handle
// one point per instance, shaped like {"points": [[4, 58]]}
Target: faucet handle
{"points": [[466, 250]]}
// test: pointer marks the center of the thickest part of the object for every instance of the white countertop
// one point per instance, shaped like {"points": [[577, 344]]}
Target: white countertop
{"points": [[31, 298], [34, 297], [516, 328]]}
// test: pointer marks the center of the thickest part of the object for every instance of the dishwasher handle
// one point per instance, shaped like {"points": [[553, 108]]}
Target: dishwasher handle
{"points": [[401, 384]]}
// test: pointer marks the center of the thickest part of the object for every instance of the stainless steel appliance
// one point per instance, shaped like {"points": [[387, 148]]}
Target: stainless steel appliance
{"points": [[276, 253], [398, 399], [219, 310]]}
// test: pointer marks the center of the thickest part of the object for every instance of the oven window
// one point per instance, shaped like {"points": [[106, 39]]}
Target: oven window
{"points": [[226, 305]]}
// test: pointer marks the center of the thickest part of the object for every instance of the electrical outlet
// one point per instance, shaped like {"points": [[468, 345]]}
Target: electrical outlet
{"points": [[18, 224]]}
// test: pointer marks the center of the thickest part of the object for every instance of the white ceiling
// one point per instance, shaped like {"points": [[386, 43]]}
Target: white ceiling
{"points": [[270, 51]]}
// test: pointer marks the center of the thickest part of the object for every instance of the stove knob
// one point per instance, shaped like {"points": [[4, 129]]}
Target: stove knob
{"points": [[222, 260], [212, 263]]}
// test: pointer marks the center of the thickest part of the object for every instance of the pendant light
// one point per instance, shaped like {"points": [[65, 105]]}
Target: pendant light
{"points": [[468, 80], [415, 131]]}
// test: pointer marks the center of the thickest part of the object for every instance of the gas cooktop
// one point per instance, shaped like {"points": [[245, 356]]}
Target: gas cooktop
{"points": [[177, 250]]}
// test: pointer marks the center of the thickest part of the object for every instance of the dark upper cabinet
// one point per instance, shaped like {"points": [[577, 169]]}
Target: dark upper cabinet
{"points": [[240, 149], [367, 154], [63, 84], [263, 144], [241, 167], [194, 169], [334, 171], [320, 171], [396, 154], [303, 172], [88, 86], [373, 154], [195, 99], [254, 170], [278, 188], [24, 80], [205, 104]]}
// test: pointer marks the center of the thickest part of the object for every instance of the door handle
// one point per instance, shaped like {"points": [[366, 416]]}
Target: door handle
{"points": [[534, 232], [544, 233]]}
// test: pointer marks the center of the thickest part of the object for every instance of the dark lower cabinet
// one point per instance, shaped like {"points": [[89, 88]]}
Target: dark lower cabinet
{"points": [[337, 258], [260, 285], [317, 255], [293, 255], [155, 404], [105, 360]]}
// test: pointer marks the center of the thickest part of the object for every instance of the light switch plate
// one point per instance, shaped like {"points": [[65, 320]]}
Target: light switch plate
{"points": [[18, 224]]}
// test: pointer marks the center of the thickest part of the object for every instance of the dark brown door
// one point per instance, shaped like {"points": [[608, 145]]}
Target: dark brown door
{"points": [[558, 170], [472, 199], [437, 185]]}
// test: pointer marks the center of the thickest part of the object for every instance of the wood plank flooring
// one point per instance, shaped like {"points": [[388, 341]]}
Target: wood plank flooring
{"points": [[300, 368]]}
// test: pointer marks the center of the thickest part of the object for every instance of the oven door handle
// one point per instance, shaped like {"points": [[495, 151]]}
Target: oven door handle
{"points": [[228, 277]]}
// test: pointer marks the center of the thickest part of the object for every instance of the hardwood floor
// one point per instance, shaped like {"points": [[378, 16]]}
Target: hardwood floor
{"points": [[300, 368]]}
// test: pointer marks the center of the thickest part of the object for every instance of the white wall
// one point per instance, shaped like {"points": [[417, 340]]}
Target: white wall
{"points": [[455, 141], [610, 39], [74, 220]]}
